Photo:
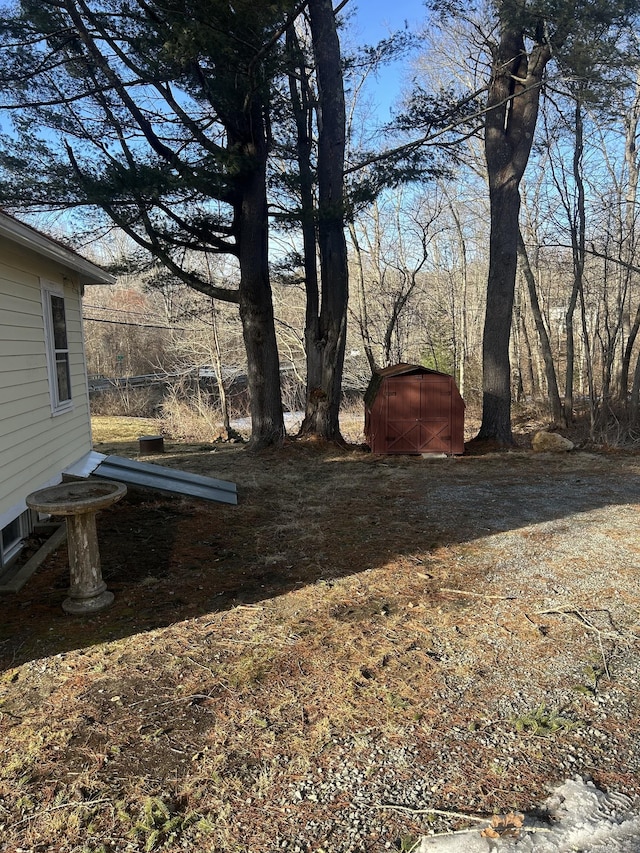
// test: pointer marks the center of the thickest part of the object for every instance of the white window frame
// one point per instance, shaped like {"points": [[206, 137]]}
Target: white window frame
{"points": [[56, 356], [12, 548]]}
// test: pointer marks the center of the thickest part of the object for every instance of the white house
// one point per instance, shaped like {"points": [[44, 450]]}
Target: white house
{"points": [[45, 425]]}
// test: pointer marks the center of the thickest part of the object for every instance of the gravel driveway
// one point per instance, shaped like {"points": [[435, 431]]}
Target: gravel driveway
{"points": [[370, 648]]}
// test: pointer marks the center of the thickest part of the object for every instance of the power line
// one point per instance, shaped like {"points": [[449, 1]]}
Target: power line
{"points": [[118, 310], [137, 325]]}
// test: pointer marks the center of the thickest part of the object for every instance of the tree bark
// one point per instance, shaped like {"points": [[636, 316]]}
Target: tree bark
{"points": [[629, 240], [362, 317], [302, 100], [577, 223], [512, 103], [326, 338], [496, 381], [217, 360], [553, 393], [626, 358], [460, 338], [256, 303], [634, 401]]}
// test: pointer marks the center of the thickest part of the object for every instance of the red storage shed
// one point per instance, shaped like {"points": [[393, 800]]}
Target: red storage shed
{"points": [[411, 409]]}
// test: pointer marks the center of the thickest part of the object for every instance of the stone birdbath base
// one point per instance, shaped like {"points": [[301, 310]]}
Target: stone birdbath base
{"points": [[78, 502]]}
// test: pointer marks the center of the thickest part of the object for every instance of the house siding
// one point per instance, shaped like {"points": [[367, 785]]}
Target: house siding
{"points": [[35, 445]]}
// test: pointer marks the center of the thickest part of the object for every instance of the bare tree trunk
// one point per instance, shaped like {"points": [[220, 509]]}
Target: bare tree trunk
{"points": [[634, 403], [626, 358], [496, 383], [460, 335], [530, 372], [577, 222], [515, 349], [588, 363], [629, 238], [362, 317], [550, 371], [514, 92], [302, 101], [571, 355], [217, 358], [327, 339], [256, 303]]}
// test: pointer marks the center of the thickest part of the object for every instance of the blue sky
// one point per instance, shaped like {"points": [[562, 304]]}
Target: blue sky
{"points": [[373, 20], [377, 18]]}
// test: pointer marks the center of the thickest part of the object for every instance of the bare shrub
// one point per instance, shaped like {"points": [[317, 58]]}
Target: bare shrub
{"points": [[352, 420], [614, 427], [189, 419], [182, 423], [293, 392], [190, 414], [125, 401]]}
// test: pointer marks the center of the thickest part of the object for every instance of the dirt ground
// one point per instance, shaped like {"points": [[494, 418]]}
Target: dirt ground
{"points": [[361, 650]]}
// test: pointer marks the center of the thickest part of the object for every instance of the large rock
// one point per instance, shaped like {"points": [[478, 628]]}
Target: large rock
{"points": [[551, 442]]}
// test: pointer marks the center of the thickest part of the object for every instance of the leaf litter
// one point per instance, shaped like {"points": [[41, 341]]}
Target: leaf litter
{"points": [[361, 641]]}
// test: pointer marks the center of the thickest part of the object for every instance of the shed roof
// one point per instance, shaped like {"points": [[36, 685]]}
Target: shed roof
{"points": [[399, 369], [24, 235], [394, 370]]}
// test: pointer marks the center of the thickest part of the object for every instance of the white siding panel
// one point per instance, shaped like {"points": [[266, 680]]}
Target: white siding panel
{"points": [[15, 365], [17, 394], [40, 455], [35, 446], [19, 400], [12, 282], [18, 323], [20, 347]]}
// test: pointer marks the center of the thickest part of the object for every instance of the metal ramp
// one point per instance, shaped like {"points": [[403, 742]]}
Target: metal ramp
{"points": [[151, 476], [133, 473]]}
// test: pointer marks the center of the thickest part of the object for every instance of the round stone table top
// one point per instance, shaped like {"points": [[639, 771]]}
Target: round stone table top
{"points": [[76, 497]]}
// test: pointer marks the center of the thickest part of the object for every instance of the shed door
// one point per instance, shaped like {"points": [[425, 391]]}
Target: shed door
{"points": [[418, 414]]}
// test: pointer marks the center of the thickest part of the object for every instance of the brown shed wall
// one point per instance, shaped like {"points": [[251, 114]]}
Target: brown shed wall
{"points": [[409, 409]]}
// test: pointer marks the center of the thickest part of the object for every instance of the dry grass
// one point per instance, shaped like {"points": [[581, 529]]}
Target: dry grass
{"points": [[357, 632], [182, 423], [107, 429]]}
